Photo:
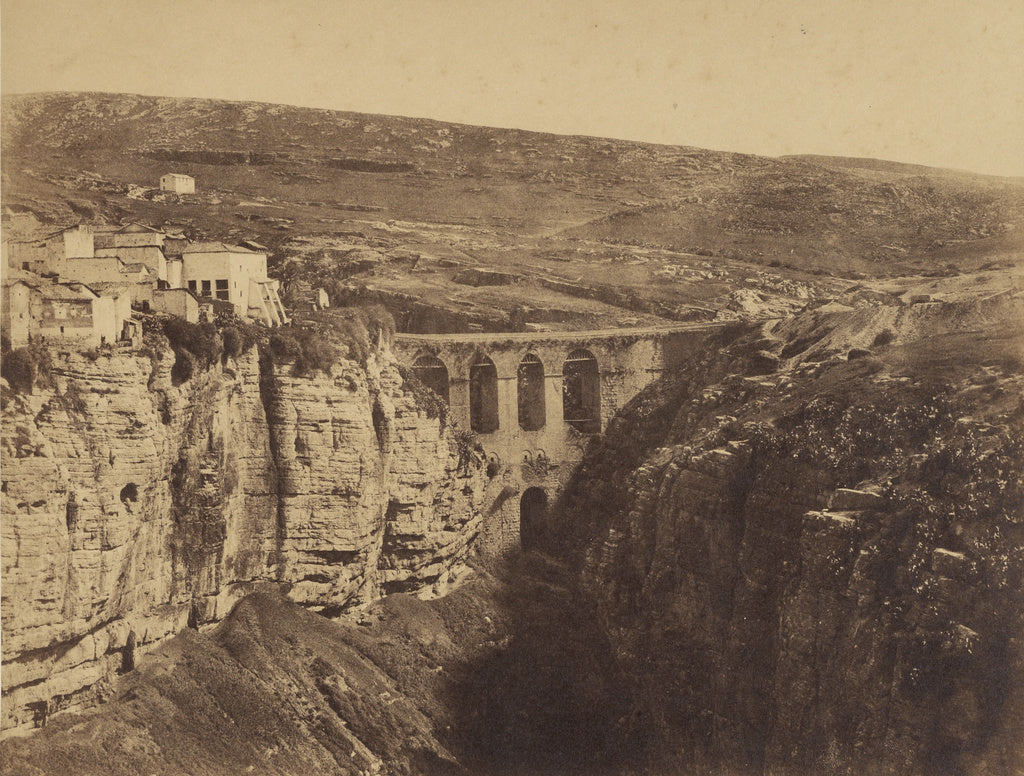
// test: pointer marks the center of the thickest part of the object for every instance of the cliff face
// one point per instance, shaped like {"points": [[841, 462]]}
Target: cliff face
{"points": [[133, 507], [819, 570]]}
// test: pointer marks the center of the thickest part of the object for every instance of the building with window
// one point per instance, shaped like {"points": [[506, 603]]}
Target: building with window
{"points": [[69, 312], [231, 273], [178, 183], [134, 243], [49, 254]]}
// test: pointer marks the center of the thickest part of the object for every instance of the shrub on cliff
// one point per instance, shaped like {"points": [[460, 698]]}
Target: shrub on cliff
{"points": [[239, 336], [284, 348], [362, 330], [19, 369], [317, 354], [305, 349], [24, 367], [200, 339], [194, 344]]}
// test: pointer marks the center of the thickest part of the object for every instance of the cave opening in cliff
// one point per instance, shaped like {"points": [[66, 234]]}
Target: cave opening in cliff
{"points": [[530, 385], [432, 372], [483, 396], [130, 492], [533, 507], [581, 392]]}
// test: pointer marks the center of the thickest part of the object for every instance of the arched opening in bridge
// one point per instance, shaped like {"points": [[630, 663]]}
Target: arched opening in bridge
{"points": [[533, 508], [483, 396], [431, 371], [530, 385], [581, 392]]}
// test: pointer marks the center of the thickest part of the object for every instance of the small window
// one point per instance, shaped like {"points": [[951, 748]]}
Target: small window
{"points": [[206, 288], [222, 289], [192, 286]]}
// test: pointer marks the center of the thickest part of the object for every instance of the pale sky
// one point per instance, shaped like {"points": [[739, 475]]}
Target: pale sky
{"points": [[925, 81]]}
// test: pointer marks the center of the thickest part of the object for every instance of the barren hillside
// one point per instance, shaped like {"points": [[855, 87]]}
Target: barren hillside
{"points": [[584, 231]]}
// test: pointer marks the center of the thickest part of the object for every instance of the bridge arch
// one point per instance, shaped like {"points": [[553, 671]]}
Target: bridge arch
{"points": [[530, 391], [533, 508], [483, 395], [581, 391], [432, 372]]}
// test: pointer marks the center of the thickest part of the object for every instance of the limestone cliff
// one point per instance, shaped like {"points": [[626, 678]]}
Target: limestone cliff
{"points": [[133, 507], [819, 569]]}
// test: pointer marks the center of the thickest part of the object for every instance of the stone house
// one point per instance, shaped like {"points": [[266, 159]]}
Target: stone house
{"points": [[176, 301], [178, 183], [111, 271], [232, 273], [134, 243], [107, 269], [70, 312], [73, 311], [49, 253]]}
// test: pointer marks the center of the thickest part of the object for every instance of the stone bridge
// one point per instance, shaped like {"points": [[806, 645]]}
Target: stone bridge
{"points": [[536, 399]]}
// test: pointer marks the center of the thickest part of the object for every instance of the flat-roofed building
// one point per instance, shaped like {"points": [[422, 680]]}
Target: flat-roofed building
{"points": [[178, 183], [231, 273], [177, 301], [134, 243], [49, 253]]}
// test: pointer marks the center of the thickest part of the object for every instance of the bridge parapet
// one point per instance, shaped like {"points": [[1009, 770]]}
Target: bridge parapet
{"points": [[545, 397]]}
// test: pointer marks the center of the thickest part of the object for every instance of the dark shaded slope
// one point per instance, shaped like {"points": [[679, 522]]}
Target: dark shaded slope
{"points": [[507, 675], [820, 570]]}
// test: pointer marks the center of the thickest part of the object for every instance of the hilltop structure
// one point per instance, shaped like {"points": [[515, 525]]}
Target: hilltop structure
{"points": [[178, 183]]}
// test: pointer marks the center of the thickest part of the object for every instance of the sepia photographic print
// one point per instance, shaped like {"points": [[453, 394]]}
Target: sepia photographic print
{"points": [[478, 388]]}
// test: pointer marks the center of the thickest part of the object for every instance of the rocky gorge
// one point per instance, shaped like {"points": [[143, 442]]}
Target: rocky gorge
{"points": [[796, 549], [135, 506], [806, 564], [819, 570]]}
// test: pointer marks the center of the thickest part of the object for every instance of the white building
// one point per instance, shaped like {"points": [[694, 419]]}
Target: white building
{"points": [[234, 274], [177, 301], [49, 254], [134, 243], [178, 183], [67, 312]]}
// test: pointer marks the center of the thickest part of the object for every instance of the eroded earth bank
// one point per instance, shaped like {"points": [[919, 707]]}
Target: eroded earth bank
{"points": [[802, 553]]}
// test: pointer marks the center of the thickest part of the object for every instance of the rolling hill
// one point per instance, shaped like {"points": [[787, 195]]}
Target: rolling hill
{"points": [[589, 231]]}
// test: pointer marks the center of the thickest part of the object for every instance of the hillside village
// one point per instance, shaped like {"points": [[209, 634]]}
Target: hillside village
{"points": [[86, 284]]}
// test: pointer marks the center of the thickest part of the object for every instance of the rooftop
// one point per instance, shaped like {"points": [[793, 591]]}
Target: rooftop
{"points": [[129, 240], [69, 292], [216, 247]]}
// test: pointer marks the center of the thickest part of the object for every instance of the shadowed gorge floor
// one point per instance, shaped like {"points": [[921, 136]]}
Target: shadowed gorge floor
{"points": [[501, 677]]}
